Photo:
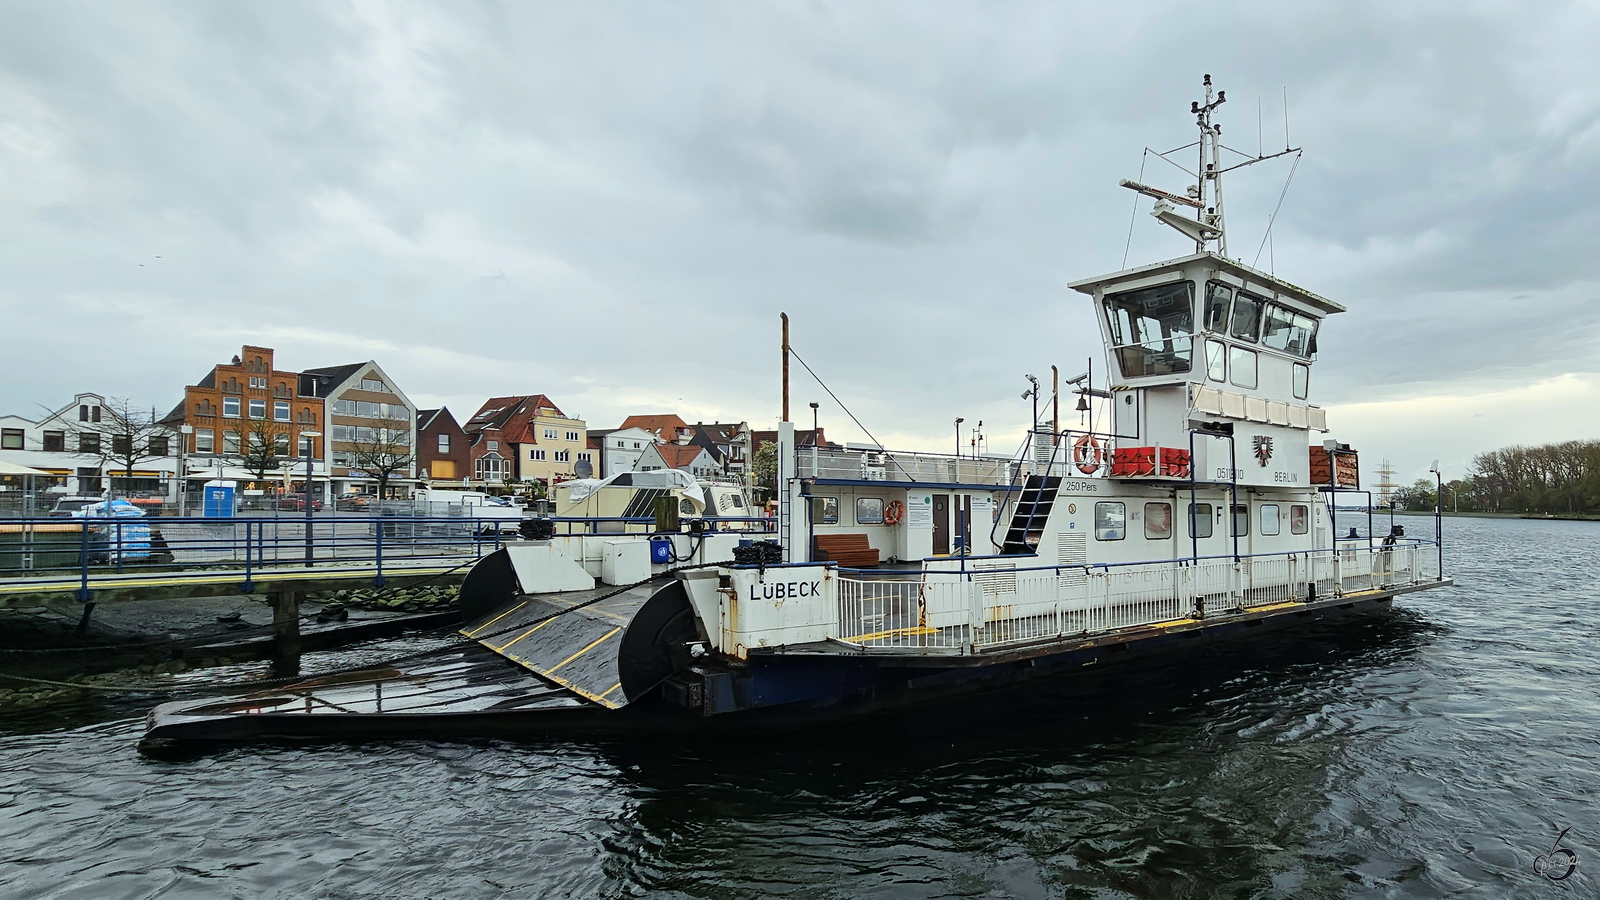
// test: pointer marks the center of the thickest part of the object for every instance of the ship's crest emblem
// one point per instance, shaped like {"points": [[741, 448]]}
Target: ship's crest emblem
{"points": [[1263, 448]]}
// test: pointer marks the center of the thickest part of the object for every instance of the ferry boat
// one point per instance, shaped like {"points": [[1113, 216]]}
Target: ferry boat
{"points": [[1196, 500]]}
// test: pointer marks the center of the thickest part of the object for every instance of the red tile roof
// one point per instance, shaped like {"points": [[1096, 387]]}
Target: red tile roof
{"points": [[665, 427]]}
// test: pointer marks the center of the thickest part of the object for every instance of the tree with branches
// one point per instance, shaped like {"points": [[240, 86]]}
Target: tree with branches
{"points": [[382, 453], [124, 437], [265, 448]]}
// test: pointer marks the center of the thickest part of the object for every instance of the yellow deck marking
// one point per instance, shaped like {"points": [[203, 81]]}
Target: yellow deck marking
{"points": [[600, 698], [610, 689], [502, 647], [474, 632], [592, 644], [1286, 605], [880, 635]]}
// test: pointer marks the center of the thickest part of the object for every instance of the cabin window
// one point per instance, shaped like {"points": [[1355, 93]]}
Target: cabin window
{"points": [[1284, 329], [1151, 328], [1216, 361], [869, 510], [1246, 317], [1241, 520], [1298, 519], [1200, 520], [1243, 363], [1110, 521], [1157, 521], [1302, 380], [824, 510], [1219, 300], [1269, 519]]}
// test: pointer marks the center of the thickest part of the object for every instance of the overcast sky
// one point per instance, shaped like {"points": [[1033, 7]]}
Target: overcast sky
{"points": [[611, 203]]}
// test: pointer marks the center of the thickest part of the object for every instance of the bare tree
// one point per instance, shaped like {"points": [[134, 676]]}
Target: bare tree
{"points": [[122, 438], [265, 448], [384, 452]]}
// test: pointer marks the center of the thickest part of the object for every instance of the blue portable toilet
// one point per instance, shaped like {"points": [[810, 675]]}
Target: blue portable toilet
{"points": [[219, 500]]}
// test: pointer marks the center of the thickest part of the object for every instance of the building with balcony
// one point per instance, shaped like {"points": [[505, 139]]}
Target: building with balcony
{"points": [[372, 429]]}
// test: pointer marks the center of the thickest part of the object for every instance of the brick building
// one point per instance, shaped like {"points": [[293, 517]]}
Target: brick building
{"points": [[443, 455]]}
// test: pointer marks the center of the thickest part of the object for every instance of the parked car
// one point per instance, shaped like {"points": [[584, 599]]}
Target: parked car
{"points": [[297, 502], [70, 506], [353, 501]]}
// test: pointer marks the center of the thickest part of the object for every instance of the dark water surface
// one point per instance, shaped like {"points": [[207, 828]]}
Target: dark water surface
{"points": [[1433, 752]]}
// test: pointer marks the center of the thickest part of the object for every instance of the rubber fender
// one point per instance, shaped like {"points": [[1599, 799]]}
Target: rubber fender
{"points": [[655, 644], [490, 584]]}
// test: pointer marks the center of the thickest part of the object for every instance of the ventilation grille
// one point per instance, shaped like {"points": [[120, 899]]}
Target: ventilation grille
{"points": [[997, 579]]}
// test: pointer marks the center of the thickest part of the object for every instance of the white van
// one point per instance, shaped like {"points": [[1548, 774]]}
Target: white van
{"points": [[469, 505]]}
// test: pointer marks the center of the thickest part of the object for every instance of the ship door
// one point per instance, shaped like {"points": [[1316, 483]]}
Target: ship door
{"points": [[941, 524], [962, 510]]}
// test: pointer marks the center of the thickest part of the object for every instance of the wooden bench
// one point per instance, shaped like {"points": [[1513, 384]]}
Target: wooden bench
{"points": [[850, 550]]}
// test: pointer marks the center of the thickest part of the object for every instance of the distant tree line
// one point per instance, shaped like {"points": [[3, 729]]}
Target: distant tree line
{"points": [[1550, 478]]}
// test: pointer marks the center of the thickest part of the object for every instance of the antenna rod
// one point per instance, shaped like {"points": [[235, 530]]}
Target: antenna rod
{"points": [[1286, 117], [785, 317], [1055, 406]]}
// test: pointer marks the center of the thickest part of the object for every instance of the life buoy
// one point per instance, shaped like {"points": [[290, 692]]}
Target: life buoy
{"points": [[1087, 454], [894, 512]]}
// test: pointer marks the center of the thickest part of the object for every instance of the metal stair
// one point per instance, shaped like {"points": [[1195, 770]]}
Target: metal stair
{"points": [[1032, 511]]}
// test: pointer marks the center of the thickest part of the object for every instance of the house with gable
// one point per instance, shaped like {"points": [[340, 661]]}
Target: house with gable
{"points": [[691, 458], [525, 437], [371, 435]]}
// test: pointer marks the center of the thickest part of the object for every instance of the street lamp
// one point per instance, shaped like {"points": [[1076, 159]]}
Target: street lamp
{"points": [[307, 439], [814, 405], [1438, 513]]}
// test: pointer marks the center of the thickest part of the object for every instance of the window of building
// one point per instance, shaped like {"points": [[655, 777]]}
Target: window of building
{"points": [[280, 443], [1219, 300], [1110, 520], [342, 460], [122, 444], [444, 443], [563, 456], [1200, 520], [635, 445], [157, 447], [373, 384], [825, 510], [585, 457], [88, 442], [624, 444], [536, 455], [230, 441], [258, 408], [1298, 516], [1284, 329], [1246, 316], [1241, 520], [205, 440], [1302, 380], [55, 441], [1243, 364], [551, 434], [11, 438], [869, 510], [280, 410], [83, 414], [1151, 328], [1216, 361], [494, 445], [396, 411], [230, 407], [1157, 521], [572, 436], [258, 382], [1269, 519]]}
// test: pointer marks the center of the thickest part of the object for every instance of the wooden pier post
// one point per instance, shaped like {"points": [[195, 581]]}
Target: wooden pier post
{"points": [[286, 633]]}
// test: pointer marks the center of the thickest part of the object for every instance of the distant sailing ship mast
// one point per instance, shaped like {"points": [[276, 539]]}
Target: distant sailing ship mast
{"points": [[1385, 487]]}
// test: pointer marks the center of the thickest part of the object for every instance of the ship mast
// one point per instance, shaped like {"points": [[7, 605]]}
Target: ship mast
{"points": [[1204, 197]]}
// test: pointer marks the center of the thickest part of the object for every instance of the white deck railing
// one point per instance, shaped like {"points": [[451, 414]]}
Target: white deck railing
{"points": [[995, 605]]}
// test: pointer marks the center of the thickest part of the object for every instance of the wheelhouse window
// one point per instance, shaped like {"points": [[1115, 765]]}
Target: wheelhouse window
{"points": [[1110, 520], [1241, 520], [1284, 329], [1157, 521], [1243, 363], [1302, 381], [1200, 520], [825, 510], [1216, 361], [1152, 328], [1246, 317], [1298, 519], [869, 510], [1269, 519], [1219, 302]]}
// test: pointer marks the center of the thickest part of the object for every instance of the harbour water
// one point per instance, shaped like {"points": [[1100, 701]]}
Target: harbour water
{"points": [[1437, 751]]}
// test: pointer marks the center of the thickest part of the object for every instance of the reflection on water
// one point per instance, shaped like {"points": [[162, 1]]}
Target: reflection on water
{"points": [[1432, 752]]}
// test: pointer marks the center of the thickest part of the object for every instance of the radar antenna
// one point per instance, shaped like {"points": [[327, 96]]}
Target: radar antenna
{"points": [[1204, 197]]}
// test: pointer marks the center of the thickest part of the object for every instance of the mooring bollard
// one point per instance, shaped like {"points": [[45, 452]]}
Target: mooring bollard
{"points": [[286, 633]]}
